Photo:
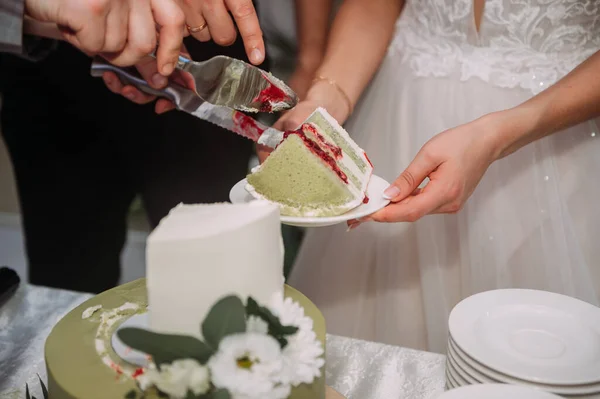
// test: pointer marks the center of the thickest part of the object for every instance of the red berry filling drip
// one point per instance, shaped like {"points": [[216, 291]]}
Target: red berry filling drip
{"points": [[270, 95], [318, 151], [368, 160], [366, 200], [337, 151], [138, 372], [246, 126]]}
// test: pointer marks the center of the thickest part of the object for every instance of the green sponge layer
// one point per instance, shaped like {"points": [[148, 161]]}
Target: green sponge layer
{"points": [[303, 183]]}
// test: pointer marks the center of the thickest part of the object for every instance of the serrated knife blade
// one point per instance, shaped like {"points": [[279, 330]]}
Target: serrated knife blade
{"points": [[187, 101]]}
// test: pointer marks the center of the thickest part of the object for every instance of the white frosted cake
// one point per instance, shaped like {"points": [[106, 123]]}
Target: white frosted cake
{"points": [[316, 170], [222, 323], [200, 253]]}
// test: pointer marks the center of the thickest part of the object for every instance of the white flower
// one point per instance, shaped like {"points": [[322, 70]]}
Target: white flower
{"points": [[290, 313], [303, 355], [248, 366], [255, 324], [177, 378]]}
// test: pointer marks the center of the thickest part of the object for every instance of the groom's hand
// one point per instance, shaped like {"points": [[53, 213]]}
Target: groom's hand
{"points": [[122, 31], [148, 69]]}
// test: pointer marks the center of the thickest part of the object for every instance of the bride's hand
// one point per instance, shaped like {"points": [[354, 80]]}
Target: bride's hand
{"points": [[320, 94], [454, 161]]}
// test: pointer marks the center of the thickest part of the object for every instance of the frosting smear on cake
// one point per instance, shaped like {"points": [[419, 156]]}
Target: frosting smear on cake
{"points": [[316, 170]]}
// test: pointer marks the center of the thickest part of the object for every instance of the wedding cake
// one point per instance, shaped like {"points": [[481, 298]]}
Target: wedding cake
{"points": [[316, 170], [199, 253], [220, 322]]}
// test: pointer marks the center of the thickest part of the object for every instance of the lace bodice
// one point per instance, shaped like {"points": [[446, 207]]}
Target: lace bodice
{"points": [[521, 43]]}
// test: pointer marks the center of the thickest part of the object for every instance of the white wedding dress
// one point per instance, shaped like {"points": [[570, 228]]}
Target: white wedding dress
{"points": [[533, 221]]}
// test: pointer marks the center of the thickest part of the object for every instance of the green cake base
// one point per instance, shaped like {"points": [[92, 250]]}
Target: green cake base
{"points": [[77, 371]]}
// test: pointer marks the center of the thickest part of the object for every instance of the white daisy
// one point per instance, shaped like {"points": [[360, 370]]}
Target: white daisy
{"points": [[255, 324], [303, 354], [247, 365]]}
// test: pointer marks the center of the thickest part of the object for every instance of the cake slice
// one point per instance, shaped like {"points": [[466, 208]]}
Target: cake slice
{"points": [[316, 170]]}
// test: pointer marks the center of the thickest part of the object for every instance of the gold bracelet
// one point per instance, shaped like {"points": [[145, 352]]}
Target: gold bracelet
{"points": [[333, 83]]}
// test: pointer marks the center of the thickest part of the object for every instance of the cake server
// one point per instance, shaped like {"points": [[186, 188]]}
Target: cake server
{"points": [[188, 101], [233, 83]]}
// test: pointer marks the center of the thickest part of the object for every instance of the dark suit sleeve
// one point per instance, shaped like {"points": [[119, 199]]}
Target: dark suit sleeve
{"points": [[11, 26], [12, 39]]}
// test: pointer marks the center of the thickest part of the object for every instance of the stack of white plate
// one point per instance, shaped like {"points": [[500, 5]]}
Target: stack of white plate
{"points": [[496, 391], [535, 339]]}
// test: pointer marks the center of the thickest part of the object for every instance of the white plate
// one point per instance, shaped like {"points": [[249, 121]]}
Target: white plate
{"points": [[123, 351], [535, 336], [460, 381], [474, 372], [495, 391], [377, 185]]}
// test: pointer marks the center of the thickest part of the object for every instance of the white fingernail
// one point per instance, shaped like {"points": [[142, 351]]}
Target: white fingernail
{"points": [[391, 192]]}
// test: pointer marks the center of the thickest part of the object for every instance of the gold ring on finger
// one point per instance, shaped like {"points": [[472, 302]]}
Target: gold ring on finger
{"points": [[196, 29]]}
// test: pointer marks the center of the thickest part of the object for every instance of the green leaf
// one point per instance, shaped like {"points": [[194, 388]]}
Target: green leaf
{"points": [[227, 316], [165, 348], [276, 329], [44, 389], [221, 394], [218, 394], [131, 394]]}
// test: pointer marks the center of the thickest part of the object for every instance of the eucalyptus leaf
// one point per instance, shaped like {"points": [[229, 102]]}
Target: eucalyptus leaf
{"points": [[227, 316], [221, 394], [165, 348], [276, 329], [44, 389]]}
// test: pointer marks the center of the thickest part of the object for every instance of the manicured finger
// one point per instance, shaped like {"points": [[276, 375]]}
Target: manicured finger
{"points": [[171, 19], [411, 178], [247, 22], [220, 25], [413, 209]]}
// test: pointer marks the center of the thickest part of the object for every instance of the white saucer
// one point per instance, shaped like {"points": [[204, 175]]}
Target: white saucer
{"points": [[495, 391], [123, 351], [377, 185], [530, 335], [476, 373]]}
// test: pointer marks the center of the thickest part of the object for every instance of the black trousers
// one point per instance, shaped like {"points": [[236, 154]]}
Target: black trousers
{"points": [[81, 154]]}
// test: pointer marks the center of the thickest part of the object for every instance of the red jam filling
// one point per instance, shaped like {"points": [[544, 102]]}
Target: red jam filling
{"points": [[269, 96], [137, 372], [368, 160], [246, 126], [337, 151], [366, 200], [318, 151]]}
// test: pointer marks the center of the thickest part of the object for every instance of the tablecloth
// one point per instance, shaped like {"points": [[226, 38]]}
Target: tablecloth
{"points": [[357, 369]]}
